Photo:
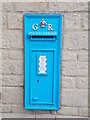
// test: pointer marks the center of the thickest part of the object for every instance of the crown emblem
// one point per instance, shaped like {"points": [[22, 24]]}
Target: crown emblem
{"points": [[43, 23]]}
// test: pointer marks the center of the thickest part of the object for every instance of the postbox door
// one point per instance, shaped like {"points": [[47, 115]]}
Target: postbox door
{"points": [[42, 77]]}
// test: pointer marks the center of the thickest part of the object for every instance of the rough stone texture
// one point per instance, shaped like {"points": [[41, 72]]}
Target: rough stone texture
{"points": [[15, 21], [76, 40], [83, 111], [69, 55], [0, 108], [12, 54], [68, 111], [75, 69], [6, 108], [72, 21], [42, 6], [0, 94], [4, 21], [83, 57], [9, 68], [0, 54], [12, 80], [8, 6], [0, 80], [69, 6], [12, 39], [16, 108], [69, 82], [12, 95], [74, 98], [0, 66], [82, 83], [85, 21]]}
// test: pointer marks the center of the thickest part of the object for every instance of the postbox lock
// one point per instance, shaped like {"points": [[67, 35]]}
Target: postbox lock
{"points": [[37, 81]]}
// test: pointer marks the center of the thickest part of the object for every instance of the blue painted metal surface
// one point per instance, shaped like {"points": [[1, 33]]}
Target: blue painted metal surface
{"points": [[42, 42]]}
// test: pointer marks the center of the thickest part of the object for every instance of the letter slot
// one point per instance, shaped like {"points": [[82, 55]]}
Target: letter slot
{"points": [[42, 46], [43, 37]]}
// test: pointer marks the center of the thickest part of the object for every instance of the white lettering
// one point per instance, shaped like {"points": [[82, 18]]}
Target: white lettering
{"points": [[50, 27], [35, 26]]}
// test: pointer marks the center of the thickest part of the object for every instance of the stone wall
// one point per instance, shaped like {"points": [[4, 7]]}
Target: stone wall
{"points": [[75, 56]]}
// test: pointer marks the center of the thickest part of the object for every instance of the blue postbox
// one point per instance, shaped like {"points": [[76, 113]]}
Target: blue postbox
{"points": [[42, 44]]}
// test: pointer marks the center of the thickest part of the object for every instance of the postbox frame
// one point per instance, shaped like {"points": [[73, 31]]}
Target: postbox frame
{"points": [[27, 81]]}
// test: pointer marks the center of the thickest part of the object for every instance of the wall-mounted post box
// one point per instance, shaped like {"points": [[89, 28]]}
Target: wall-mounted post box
{"points": [[42, 41]]}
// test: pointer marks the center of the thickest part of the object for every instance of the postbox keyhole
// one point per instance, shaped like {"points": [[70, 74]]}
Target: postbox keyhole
{"points": [[37, 81]]}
